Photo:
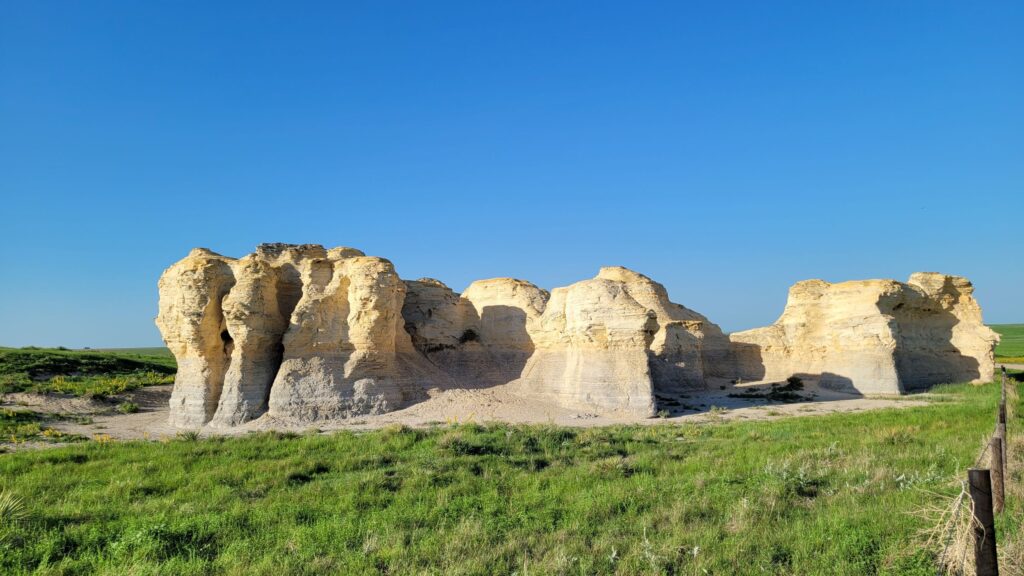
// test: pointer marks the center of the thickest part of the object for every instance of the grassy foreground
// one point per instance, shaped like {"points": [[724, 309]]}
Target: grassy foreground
{"points": [[81, 372], [1011, 345], [836, 494]]}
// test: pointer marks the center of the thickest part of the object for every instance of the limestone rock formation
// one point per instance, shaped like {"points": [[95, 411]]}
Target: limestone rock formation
{"points": [[297, 331], [480, 338], [873, 336], [613, 343], [299, 334]]}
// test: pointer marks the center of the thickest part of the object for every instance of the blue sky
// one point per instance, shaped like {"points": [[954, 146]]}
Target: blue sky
{"points": [[725, 149]]}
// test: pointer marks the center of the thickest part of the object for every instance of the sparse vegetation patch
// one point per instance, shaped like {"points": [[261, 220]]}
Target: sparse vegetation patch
{"points": [[19, 426]]}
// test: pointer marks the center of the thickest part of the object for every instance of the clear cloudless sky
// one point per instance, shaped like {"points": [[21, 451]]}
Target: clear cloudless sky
{"points": [[725, 149]]}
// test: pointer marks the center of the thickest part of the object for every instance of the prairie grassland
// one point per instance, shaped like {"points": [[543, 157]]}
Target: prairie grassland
{"points": [[1011, 344], [835, 494], [159, 351], [80, 373]]}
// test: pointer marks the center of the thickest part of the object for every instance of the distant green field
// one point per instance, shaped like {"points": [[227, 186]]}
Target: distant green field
{"points": [[1011, 347], [82, 372], [154, 351]]}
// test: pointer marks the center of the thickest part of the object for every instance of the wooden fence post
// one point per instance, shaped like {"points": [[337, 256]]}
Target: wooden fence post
{"points": [[1002, 391], [1001, 424], [998, 489], [985, 560], [1001, 434]]}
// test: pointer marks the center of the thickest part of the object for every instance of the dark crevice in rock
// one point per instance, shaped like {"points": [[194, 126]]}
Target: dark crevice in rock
{"points": [[220, 362], [289, 291]]}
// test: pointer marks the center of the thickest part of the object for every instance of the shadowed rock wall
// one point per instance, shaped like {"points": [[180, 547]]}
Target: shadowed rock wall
{"points": [[480, 338]]}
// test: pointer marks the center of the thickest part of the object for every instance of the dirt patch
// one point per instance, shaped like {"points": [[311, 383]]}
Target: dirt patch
{"points": [[723, 401], [99, 417]]}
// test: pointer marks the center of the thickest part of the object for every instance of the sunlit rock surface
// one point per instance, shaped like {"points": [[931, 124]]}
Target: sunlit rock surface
{"points": [[873, 336], [299, 334], [614, 342]]}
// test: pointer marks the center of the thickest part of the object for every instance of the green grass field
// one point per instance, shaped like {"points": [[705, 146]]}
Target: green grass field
{"points": [[148, 352], [1011, 346], [81, 372], [836, 494]]}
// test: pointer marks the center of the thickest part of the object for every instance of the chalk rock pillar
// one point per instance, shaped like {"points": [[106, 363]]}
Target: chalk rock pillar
{"points": [[192, 322]]}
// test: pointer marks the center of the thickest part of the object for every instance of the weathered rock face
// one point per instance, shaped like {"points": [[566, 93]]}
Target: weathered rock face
{"points": [[296, 331], [347, 352], [613, 343], [873, 336], [481, 338], [301, 334], [256, 316], [192, 322]]}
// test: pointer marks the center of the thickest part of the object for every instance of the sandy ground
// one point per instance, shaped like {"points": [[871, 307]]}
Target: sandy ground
{"points": [[92, 418]]}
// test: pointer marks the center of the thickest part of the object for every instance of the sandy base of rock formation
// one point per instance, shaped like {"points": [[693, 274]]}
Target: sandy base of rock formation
{"points": [[496, 404]]}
